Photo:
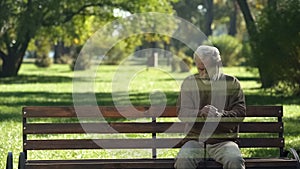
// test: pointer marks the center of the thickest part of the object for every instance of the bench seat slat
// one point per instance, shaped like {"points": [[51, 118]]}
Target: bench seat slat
{"points": [[136, 143], [151, 163], [105, 163], [132, 127]]}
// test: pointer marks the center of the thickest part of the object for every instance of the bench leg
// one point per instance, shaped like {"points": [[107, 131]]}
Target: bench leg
{"points": [[21, 161], [296, 156], [9, 161]]}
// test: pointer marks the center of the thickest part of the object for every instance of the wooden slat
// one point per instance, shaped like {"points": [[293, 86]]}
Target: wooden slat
{"points": [[101, 163], [101, 144], [136, 143], [257, 163], [277, 163], [261, 127], [48, 111], [138, 111], [262, 163], [264, 111], [118, 127], [260, 142], [83, 111], [103, 111], [134, 127]]}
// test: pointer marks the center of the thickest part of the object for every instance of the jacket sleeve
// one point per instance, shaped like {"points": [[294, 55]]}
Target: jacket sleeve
{"points": [[187, 105], [236, 101]]}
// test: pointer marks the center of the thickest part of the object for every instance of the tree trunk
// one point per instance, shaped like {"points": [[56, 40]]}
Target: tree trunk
{"points": [[232, 24], [252, 30], [265, 79], [58, 51], [208, 17], [13, 59], [11, 65]]}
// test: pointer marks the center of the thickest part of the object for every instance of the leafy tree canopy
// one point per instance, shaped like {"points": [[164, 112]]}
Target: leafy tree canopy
{"points": [[22, 20]]}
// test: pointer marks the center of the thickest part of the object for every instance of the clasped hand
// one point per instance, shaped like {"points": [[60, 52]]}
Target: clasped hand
{"points": [[209, 111]]}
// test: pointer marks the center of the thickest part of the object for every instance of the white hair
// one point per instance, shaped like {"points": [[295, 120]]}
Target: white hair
{"points": [[205, 51]]}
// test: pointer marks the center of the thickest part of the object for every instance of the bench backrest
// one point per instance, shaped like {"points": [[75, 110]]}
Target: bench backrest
{"points": [[42, 120]]}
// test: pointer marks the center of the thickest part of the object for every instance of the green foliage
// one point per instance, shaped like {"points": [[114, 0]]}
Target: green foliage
{"points": [[65, 59], [186, 64], [42, 49], [81, 63], [175, 64], [247, 54], [230, 49], [43, 61], [182, 62], [278, 46], [59, 20], [121, 50]]}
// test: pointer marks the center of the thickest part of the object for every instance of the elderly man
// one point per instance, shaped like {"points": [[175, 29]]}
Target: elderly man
{"points": [[210, 93]]}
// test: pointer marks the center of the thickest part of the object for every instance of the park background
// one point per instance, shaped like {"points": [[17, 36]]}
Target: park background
{"points": [[259, 41]]}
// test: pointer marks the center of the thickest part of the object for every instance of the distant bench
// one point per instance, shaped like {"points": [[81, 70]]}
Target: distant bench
{"points": [[41, 123]]}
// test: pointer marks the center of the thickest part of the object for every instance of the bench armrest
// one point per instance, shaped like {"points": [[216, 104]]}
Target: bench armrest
{"points": [[294, 154]]}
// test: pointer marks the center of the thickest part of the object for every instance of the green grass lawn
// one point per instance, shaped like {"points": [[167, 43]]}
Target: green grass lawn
{"points": [[53, 86]]}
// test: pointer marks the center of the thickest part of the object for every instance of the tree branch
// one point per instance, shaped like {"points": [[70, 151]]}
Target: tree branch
{"points": [[251, 27], [72, 14], [50, 21]]}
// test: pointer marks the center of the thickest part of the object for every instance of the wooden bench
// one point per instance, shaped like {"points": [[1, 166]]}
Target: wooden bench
{"points": [[44, 129]]}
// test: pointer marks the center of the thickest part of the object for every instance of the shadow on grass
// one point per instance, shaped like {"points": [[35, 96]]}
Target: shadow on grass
{"points": [[290, 125], [248, 78], [259, 99], [107, 99], [22, 79], [35, 99], [10, 117], [17, 100]]}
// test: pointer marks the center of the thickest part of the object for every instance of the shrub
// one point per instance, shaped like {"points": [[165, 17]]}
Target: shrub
{"points": [[186, 64], [278, 46], [230, 49], [175, 64], [182, 62], [82, 63], [64, 59], [43, 61]]}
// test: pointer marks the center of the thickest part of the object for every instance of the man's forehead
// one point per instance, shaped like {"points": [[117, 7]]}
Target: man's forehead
{"points": [[205, 60]]}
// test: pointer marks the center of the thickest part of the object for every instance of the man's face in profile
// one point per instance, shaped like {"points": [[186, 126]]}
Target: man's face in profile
{"points": [[202, 70]]}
